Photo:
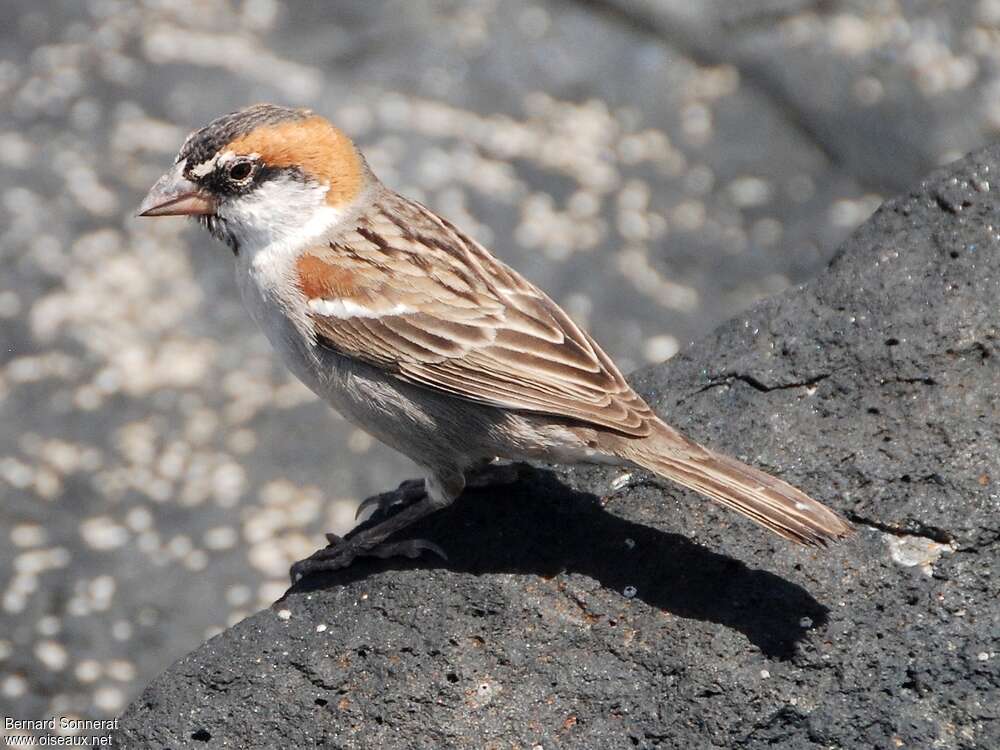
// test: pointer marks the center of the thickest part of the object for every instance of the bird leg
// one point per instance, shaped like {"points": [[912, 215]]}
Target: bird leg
{"points": [[486, 474], [417, 503], [370, 542], [492, 474]]}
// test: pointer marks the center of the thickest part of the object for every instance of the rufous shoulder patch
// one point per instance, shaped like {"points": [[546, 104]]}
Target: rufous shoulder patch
{"points": [[321, 280]]}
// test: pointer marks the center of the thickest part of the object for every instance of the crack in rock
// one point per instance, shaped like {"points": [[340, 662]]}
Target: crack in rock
{"points": [[923, 531], [758, 385]]}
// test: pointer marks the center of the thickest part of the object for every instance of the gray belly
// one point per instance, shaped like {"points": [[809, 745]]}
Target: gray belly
{"points": [[432, 428], [424, 425]]}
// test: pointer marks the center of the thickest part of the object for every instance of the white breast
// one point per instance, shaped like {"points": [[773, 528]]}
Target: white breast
{"points": [[269, 296], [272, 226]]}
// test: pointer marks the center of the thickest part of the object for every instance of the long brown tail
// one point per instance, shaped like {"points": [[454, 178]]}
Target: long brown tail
{"points": [[769, 501]]}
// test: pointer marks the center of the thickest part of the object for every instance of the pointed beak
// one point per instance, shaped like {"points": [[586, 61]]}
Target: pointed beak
{"points": [[174, 195]]}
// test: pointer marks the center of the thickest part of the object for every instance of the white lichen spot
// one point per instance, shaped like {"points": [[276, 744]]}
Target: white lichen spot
{"points": [[196, 560], [121, 670], [109, 699], [13, 686], [749, 191], [916, 551], [359, 441], [103, 533], [660, 348], [139, 519], [621, 481], [221, 537], [28, 535], [88, 670], [121, 630], [52, 655], [101, 591]]}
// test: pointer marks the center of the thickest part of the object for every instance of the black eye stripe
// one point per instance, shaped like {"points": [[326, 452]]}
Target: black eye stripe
{"points": [[221, 180], [230, 176]]}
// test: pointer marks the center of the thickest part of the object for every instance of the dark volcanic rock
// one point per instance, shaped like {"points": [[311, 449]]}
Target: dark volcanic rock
{"points": [[572, 617]]}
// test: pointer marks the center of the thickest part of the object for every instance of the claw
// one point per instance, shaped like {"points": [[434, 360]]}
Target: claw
{"points": [[297, 572], [407, 492], [318, 563], [375, 501]]}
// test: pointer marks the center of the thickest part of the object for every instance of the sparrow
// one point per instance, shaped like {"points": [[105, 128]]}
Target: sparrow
{"points": [[418, 335]]}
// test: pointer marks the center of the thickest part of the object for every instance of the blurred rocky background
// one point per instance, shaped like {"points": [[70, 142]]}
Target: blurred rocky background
{"points": [[656, 165]]}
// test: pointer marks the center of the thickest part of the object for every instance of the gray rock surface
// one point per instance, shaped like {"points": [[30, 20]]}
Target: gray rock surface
{"points": [[573, 616], [874, 86]]}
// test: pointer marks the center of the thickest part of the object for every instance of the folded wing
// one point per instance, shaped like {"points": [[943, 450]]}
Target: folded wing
{"points": [[407, 292]]}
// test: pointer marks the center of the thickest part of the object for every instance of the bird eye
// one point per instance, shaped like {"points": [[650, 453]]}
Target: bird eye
{"points": [[240, 171]]}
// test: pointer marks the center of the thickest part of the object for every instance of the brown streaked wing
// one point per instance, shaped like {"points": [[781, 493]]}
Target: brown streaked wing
{"points": [[469, 325]]}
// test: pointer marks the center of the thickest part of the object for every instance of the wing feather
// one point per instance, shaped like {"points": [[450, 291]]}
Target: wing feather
{"points": [[433, 308]]}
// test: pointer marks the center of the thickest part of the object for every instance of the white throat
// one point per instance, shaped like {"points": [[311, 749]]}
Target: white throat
{"points": [[272, 226], [282, 215]]}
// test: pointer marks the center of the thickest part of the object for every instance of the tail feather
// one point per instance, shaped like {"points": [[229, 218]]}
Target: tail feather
{"points": [[769, 501]]}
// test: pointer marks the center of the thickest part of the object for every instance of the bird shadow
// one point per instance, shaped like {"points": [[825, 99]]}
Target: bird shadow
{"points": [[540, 526]]}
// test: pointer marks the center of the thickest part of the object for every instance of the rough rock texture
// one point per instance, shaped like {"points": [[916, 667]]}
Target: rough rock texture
{"points": [[573, 616]]}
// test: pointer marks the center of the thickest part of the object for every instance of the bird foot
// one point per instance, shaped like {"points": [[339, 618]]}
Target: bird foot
{"points": [[394, 511], [342, 552]]}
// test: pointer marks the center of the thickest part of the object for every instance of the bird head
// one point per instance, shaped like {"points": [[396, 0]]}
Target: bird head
{"points": [[263, 175]]}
